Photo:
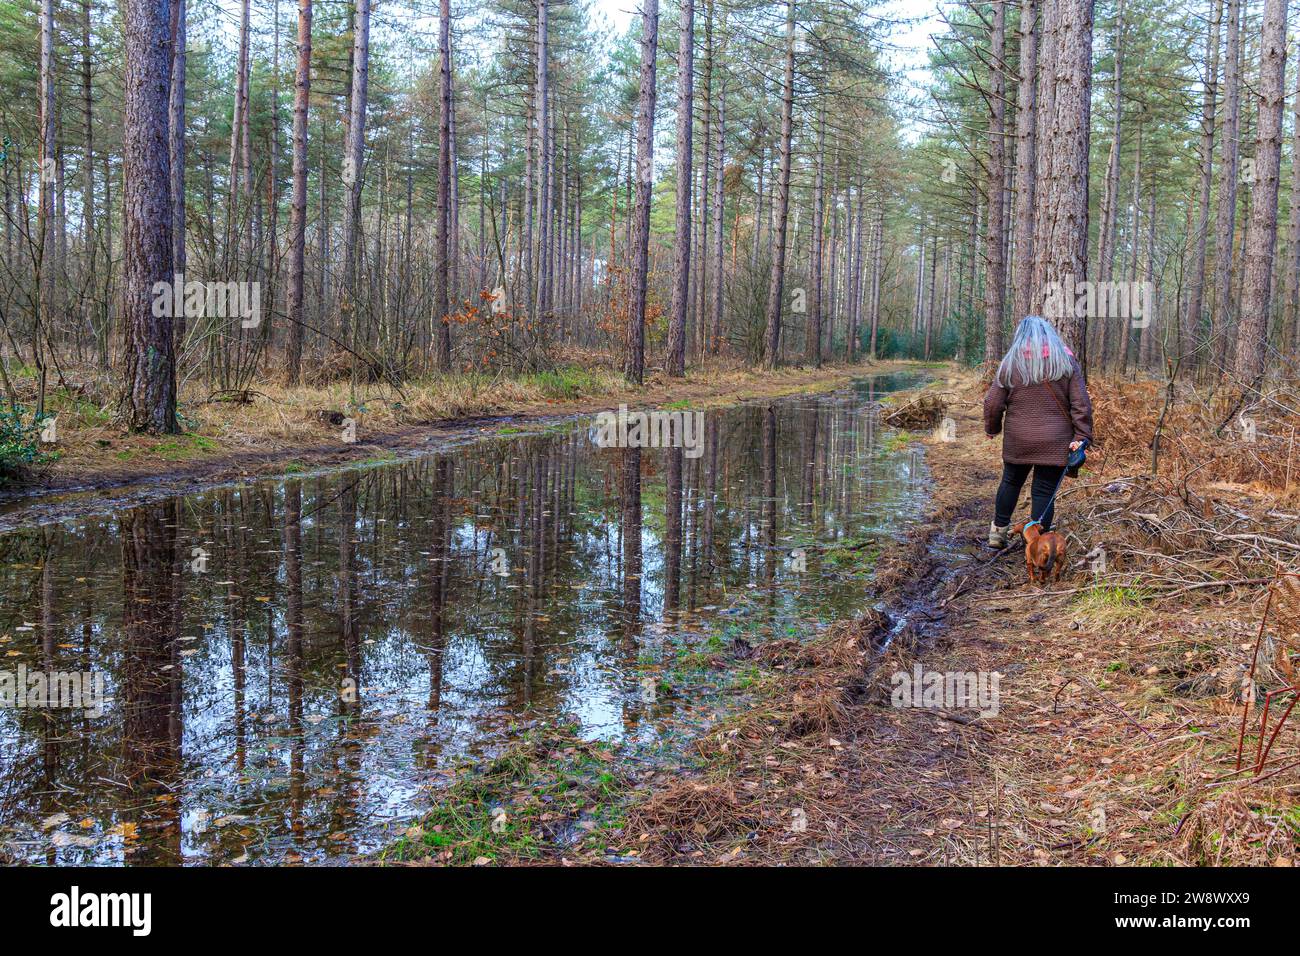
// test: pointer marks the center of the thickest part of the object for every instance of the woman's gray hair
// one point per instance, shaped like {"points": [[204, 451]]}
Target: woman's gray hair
{"points": [[1037, 354]]}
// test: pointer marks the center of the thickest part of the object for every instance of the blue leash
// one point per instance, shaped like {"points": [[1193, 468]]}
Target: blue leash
{"points": [[1050, 501]]}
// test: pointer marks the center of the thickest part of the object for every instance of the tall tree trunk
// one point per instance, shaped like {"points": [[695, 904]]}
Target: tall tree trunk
{"points": [[176, 153], [700, 295], [252, 198], [1291, 328], [1135, 225], [775, 289], [234, 234], [876, 262], [1292, 337], [813, 341], [149, 400], [929, 309], [852, 269], [1110, 198], [562, 226], [527, 274], [719, 248], [453, 173], [1026, 132], [272, 261], [995, 281], [1261, 234], [90, 236], [830, 300], [87, 109], [541, 113], [855, 334], [675, 365], [758, 206], [442, 236], [1147, 335], [45, 197], [1189, 331], [1045, 106], [918, 302], [1226, 213], [1061, 254], [634, 367], [552, 229], [298, 212], [353, 156]]}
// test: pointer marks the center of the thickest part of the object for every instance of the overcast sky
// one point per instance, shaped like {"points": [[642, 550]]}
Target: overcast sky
{"points": [[907, 48], [911, 38]]}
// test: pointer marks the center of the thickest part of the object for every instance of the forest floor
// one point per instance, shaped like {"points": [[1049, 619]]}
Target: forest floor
{"points": [[1114, 738], [1116, 731], [95, 464], [1115, 735]]}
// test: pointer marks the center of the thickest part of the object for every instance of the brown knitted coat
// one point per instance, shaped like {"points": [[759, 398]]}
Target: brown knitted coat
{"points": [[1035, 429]]}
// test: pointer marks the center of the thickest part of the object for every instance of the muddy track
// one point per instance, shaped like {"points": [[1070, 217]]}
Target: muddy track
{"points": [[916, 607], [903, 769], [913, 612], [883, 781]]}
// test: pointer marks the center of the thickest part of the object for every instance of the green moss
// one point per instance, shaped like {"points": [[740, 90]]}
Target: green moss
{"points": [[522, 804], [184, 447], [897, 441]]}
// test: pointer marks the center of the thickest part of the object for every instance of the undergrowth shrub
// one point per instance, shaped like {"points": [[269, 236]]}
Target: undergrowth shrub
{"points": [[19, 441]]}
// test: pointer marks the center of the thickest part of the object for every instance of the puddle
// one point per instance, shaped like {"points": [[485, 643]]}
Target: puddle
{"points": [[293, 667]]}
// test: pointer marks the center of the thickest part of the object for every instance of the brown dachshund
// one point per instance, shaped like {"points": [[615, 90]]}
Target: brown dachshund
{"points": [[1044, 551]]}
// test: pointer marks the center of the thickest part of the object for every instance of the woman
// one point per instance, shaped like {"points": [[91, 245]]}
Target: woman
{"points": [[1039, 402]]}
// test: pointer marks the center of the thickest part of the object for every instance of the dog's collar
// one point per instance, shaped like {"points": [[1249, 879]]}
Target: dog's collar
{"points": [[1030, 524]]}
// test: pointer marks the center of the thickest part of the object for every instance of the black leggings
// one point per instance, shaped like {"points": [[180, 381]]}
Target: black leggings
{"points": [[1046, 479]]}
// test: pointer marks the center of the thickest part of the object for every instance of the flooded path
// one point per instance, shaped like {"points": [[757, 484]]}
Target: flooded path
{"points": [[293, 666]]}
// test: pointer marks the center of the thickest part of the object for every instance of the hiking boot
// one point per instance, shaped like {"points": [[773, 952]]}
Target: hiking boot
{"points": [[998, 536]]}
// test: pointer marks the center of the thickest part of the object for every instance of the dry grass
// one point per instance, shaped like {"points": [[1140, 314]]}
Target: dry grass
{"points": [[686, 816], [1253, 451], [279, 415], [781, 782], [1115, 739], [248, 431], [1235, 828]]}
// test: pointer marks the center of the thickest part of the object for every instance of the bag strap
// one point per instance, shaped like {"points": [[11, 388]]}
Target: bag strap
{"points": [[1056, 398]]}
